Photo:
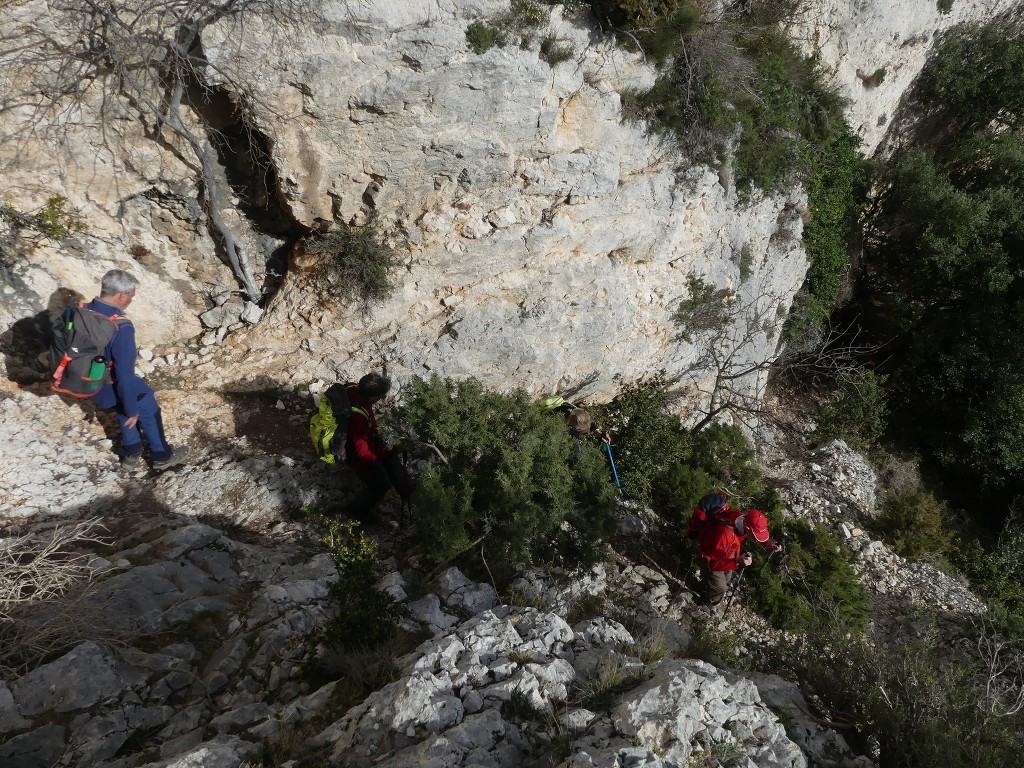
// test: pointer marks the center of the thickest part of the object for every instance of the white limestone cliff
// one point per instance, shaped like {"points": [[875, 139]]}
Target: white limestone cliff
{"points": [[546, 239]]}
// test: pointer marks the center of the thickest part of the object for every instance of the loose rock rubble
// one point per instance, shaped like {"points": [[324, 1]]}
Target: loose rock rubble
{"points": [[56, 457], [836, 488]]}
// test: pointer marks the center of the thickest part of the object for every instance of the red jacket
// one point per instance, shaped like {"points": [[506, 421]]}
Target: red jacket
{"points": [[719, 543], [365, 446]]}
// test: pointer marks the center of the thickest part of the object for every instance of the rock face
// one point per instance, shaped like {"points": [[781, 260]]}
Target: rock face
{"points": [[545, 239], [488, 693], [873, 50], [214, 671]]}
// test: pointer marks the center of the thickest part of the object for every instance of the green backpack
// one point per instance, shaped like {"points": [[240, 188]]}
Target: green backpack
{"points": [[76, 358], [328, 428]]}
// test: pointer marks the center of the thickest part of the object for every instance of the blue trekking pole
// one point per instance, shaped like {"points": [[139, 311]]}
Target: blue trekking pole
{"points": [[614, 473]]}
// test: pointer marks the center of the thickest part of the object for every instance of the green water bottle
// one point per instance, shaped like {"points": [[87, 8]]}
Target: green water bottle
{"points": [[97, 367]]}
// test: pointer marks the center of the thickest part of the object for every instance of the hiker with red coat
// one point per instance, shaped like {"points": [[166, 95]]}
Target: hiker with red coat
{"points": [[377, 466], [720, 532]]}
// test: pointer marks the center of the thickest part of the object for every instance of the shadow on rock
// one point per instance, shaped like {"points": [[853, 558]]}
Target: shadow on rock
{"points": [[27, 339]]}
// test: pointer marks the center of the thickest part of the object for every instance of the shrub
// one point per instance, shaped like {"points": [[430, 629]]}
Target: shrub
{"points": [[482, 37], [763, 90], [49, 601], [997, 573], [53, 221], [704, 309], [630, 14], [364, 615], [858, 412], [915, 524], [922, 708], [554, 52], [524, 14], [356, 263], [812, 580], [647, 435], [514, 486], [719, 456], [746, 262], [663, 464], [943, 259], [836, 190]]}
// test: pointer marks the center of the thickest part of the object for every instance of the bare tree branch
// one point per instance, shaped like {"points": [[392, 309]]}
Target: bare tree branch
{"points": [[147, 59]]}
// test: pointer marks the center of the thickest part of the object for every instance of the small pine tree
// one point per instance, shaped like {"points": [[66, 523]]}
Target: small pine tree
{"points": [[514, 486]]}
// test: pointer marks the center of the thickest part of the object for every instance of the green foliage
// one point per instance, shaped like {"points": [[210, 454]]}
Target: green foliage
{"points": [[356, 263], [947, 235], [632, 14], [915, 524], [53, 221], [944, 6], [718, 456], [647, 435], [858, 412], [554, 52], [835, 197], [924, 709], [364, 615], [511, 480], [789, 116], [997, 575], [524, 14], [704, 309], [746, 262], [663, 464], [482, 37], [811, 580], [765, 89], [976, 76]]}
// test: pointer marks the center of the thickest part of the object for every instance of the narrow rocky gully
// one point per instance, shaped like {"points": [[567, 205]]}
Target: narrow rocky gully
{"points": [[205, 582]]}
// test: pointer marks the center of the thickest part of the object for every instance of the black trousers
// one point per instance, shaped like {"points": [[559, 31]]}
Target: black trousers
{"points": [[377, 478]]}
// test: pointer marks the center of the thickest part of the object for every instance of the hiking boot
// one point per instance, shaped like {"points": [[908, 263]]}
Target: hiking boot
{"points": [[178, 455], [132, 461], [132, 465]]}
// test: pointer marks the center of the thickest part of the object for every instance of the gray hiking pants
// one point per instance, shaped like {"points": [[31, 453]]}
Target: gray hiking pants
{"points": [[714, 583]]}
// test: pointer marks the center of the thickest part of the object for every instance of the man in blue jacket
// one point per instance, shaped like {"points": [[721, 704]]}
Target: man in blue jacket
{"points": [[138, 412]]}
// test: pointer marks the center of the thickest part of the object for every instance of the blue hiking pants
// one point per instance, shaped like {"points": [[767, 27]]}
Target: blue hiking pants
{"points": [[149, 426]]}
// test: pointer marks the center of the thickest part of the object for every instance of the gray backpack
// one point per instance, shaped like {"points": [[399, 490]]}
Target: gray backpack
{"points": [[77, 356]]}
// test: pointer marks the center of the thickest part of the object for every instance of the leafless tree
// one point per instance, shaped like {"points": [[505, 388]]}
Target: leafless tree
{"points": [[737, 340], [999, 664], [145, 60]]}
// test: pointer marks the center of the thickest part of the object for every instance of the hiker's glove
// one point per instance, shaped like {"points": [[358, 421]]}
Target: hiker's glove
{"points": [[747, 559]]}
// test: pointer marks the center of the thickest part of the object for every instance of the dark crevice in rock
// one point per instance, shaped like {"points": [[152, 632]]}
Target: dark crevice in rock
{"points": [[247, 172]]}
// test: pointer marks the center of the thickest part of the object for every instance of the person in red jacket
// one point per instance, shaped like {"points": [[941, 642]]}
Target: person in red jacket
{"points": [[378, 467], [720, 538]]}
